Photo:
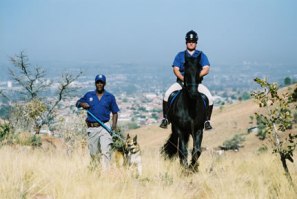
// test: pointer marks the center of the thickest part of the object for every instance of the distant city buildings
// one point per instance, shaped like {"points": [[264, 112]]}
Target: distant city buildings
{"points": [[9, 84], [139, 94]]}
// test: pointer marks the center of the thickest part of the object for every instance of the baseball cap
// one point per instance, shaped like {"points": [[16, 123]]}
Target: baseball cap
{"points": [[100, 78]]}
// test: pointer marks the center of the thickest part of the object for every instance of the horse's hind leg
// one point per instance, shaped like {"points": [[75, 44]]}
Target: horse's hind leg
{"points": [[197, 140]]}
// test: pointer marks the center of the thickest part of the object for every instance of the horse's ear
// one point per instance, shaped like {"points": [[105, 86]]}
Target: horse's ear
{"points": [[135, 139], [128, 136]]}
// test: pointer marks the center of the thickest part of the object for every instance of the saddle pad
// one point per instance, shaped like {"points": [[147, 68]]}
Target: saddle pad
{"points": [[173, 96]]}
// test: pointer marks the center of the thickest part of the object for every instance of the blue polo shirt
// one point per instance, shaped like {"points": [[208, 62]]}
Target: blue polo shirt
{"points": [[99, 108], [179, 60]]}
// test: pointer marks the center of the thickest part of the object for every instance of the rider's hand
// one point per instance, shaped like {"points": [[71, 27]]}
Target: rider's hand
{"points": [[84, 105]]}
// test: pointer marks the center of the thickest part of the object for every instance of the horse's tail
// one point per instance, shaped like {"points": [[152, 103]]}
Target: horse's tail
{"points": [[169, 150]]}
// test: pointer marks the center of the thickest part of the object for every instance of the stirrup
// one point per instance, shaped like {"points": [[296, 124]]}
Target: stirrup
{"points": [[207, 125], [164, 123]]}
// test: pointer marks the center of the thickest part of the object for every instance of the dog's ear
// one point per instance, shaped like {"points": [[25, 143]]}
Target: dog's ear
{"points": [[135, 139], [128, 136]]}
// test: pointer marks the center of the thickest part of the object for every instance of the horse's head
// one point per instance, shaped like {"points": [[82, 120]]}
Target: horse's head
{"points": [[191, 76]]}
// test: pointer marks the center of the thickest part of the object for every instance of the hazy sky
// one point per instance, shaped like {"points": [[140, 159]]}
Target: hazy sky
{"points": [[149, 31]]}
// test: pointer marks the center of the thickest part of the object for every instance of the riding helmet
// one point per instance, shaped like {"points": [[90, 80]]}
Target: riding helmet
{"points": [[192, 36]]}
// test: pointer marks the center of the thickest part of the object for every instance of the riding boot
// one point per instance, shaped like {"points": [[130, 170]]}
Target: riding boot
{"points": [[207, 125], [164, 122]]}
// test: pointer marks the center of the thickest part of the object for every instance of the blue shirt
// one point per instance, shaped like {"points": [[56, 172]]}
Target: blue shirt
{"points": [[99, 108], [179, 60]]}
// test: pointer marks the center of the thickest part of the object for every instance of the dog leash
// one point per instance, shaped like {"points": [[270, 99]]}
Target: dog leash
{"points": [[105, 127]]}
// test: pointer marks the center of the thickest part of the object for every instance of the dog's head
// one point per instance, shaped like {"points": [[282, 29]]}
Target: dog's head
{"points": [[131, 145]]}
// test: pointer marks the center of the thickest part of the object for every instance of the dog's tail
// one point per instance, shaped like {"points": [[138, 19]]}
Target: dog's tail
{"points": [[169, 150]]}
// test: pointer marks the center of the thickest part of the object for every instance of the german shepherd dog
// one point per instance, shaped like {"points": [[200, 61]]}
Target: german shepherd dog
{"points": [[130, 156]]}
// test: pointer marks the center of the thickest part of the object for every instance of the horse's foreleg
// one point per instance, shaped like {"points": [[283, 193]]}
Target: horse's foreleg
{"points": [[197, 140], [183, 152]]}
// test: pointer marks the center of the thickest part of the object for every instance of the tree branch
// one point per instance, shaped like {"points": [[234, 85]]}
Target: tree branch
{"points": [[64, 89]]}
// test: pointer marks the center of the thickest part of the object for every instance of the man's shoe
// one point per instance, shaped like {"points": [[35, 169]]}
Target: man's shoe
{"points": [[164, 123], [207, 125]]}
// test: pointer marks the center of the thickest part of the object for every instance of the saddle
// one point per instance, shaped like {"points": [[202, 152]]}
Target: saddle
{"points": [[174, 95]]}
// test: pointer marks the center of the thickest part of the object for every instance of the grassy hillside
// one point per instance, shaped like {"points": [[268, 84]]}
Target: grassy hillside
{"points": [[227, 121], [52, 172]]}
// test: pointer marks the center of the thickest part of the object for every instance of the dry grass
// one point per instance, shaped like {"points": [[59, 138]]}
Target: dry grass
{"points": [[53, 172], [27, 173]]}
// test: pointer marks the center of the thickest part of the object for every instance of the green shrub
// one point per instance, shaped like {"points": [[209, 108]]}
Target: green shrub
{"points": [[261, 133], [261, 126], [277, 118], [263, 149], [35, 141], [234, 143], [287, 81], [118, 140], [294, 95], [132, 125], [4, 131]]}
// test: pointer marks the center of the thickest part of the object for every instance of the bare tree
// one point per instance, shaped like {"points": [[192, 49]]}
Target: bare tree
{"points": [[33, 83], [64, 90], [32, 79]]}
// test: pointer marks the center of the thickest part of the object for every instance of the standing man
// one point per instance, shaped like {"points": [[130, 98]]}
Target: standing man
{"points": [[178, 70], [100, 103]]}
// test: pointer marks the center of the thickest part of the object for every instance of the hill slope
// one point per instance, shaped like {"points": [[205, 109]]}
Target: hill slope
{"points": [[54, 172], [227, 121], [232, 119]]}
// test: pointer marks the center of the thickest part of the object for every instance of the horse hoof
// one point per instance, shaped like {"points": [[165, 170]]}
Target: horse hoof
{"points": [[186, 172], [194, 167]]}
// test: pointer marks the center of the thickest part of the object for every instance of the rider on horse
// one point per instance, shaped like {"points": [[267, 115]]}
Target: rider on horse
{"points": [[178, 70]]}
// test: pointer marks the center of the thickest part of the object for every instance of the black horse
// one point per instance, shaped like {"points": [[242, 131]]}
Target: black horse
{"points": [[187, 115]]}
